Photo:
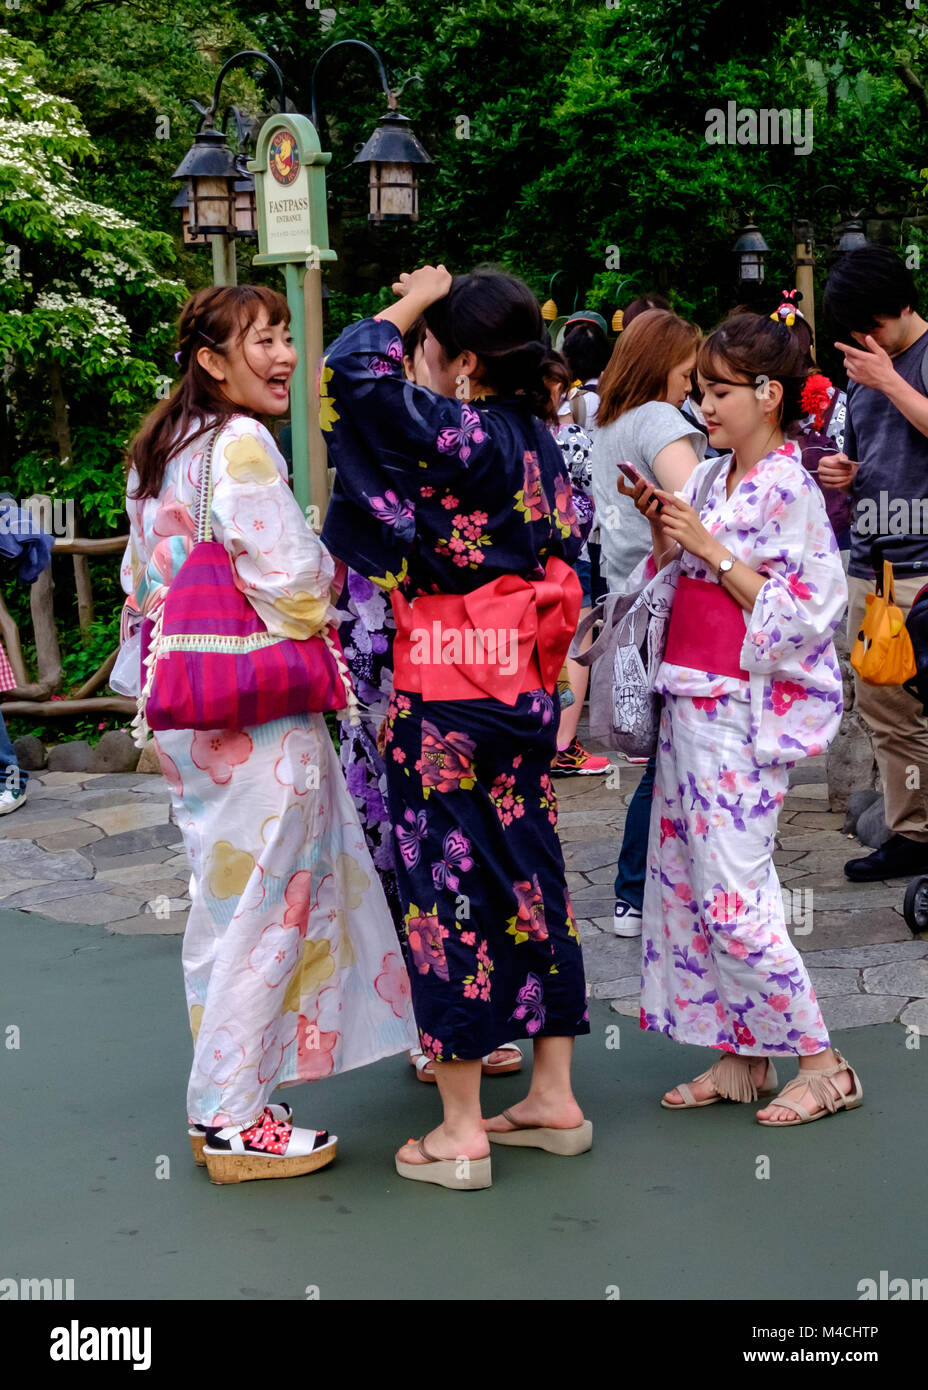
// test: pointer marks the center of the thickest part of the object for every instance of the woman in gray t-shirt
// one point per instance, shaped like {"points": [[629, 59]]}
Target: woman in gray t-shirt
{"points": [[638, 421]]}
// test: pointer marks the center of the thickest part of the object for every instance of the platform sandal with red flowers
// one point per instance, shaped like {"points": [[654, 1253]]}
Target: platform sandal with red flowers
{"points": [[267, 1148], [278, 1111]]}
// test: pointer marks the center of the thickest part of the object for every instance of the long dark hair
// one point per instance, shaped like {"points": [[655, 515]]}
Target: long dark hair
{"points": [[748, 348], [214, 318], [497, 317]]}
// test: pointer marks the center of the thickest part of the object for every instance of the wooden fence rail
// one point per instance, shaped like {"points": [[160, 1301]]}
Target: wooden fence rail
{"points": [[34, 697]]}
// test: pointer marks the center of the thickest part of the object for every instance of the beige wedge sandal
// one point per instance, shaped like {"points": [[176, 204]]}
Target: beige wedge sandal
{"points": [[731, 1077], [463, 1174], [566, 1142], [828, 1096]]}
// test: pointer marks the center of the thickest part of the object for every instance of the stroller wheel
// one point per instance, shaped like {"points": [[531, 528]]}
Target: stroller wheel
{"points": [[915, 907]]}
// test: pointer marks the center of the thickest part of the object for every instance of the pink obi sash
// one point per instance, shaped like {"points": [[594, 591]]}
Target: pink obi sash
{"points": [[707, 628], [501, 640]]}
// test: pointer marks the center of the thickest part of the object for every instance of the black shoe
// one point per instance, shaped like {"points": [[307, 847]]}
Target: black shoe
{"points": [[898, 858]]}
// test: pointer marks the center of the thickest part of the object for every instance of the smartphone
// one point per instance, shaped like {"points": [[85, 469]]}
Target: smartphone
{"points": [[633, 476]]}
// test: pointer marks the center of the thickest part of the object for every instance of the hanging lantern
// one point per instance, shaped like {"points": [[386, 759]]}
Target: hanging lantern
{"points": [[182, 201], [392, 153], [750, 248], [850, 235], [617, 320], [246, 207], [210, 170], [549, 311]]}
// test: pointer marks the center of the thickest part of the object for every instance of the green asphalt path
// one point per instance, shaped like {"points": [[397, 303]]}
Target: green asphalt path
{"points": [[666, 1206]]}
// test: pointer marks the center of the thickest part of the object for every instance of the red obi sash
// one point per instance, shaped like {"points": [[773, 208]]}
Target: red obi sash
{"points": [[707, 628], [500, 640]]}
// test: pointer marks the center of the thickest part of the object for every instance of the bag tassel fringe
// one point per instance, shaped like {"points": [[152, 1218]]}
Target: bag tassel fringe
{"points": [[141, 733]]}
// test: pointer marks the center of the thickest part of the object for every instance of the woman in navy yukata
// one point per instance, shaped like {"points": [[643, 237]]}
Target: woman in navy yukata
{"points": [[456, 502]]}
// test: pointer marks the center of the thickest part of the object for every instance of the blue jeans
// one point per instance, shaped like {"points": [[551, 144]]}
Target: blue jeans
{"points": [[8, 762], [633, 856]]}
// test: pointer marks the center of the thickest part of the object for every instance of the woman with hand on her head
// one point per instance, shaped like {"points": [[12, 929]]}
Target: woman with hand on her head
{"points": [[456, 502], [291, 965], [750, 684]]}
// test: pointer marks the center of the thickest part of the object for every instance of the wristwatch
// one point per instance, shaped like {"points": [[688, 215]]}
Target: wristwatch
{"points": [[725, 565]]}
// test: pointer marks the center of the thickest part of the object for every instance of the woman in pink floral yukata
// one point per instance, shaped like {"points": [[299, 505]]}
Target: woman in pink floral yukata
{"points": [[750, 684]]}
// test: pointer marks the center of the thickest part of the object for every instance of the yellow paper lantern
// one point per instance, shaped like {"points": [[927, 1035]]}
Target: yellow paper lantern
{"points": [[549, 311], [617, 319]]}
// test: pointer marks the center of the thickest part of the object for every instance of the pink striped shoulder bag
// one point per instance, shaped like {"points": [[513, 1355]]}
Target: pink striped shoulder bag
{"points": [[208, 660]]}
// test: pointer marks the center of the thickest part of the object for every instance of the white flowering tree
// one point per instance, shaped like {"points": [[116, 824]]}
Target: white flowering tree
{"points": [[86, 312]]}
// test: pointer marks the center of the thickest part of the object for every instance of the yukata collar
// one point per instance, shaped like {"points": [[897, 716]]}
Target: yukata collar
{"points": [[789, 448]]}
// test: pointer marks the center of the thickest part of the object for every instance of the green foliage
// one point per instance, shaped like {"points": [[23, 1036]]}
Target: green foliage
{"points": [[86, 314], [562, 132]]}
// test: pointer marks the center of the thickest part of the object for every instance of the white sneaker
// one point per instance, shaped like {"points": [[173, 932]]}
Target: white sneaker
{"points": [[627, 919], [12, 800]]}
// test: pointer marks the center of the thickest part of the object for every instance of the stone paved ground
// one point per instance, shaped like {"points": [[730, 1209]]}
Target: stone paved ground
{"points": [[100, 850]]}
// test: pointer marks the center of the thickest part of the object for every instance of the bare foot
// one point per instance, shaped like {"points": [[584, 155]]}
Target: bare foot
{"points": [[704, 1090], [780, 1114], [441, 1144], [559, 1114]]}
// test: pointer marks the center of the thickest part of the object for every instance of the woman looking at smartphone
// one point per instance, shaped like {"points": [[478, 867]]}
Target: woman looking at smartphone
{"points": [[750, 684], [638, 421]]}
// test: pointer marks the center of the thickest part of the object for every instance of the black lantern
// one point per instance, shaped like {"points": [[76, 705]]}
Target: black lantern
{"points": [[750, 248], [850, 235], [392, 153], [211, 172]]}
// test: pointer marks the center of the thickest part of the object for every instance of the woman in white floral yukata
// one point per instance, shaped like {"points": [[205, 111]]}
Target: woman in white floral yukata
{"points": [[750, 684], [291, 963]]}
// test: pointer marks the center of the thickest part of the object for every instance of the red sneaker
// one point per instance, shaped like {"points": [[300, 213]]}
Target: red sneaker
{"points": [[575, 761]]}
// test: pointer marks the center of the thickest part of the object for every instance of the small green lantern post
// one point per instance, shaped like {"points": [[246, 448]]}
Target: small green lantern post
{"points": [[293, 232]]}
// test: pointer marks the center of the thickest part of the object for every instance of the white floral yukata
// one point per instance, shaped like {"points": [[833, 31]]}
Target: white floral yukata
{"points": [[718, 967], [292, 967]]}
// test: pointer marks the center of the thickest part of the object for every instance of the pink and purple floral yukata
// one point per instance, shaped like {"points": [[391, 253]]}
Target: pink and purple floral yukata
{"points": [[718, 966]]}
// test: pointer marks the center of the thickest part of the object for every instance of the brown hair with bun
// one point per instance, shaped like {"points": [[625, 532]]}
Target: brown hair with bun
{"points": [[747, 349]]}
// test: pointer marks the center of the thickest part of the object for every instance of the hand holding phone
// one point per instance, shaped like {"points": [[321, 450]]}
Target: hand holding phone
{"points": [[640, 485]]}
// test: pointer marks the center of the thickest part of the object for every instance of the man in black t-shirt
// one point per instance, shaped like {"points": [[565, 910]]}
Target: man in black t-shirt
{"points": [[873, 298]]}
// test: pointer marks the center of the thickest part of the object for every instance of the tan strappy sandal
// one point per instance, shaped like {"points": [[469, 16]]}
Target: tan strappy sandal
{"points": [[731, 1077], [829, 1097]]}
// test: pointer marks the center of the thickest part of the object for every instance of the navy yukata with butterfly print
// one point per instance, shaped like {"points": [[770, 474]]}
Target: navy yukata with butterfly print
{"points": [[435, 495]]}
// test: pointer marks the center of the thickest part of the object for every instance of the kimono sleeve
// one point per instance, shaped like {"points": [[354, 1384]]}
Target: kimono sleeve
{"points": [[368, 406], [795, 614], [280, 563]]}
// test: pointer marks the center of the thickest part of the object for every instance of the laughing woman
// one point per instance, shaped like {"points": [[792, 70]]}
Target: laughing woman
{"points": [[750, 684], [463, 513], [290, 959]]}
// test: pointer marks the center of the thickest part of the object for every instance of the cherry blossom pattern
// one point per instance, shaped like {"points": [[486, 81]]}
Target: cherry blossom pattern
{"points": [[510, 804], [220, 1056], [477, 986], [392, 984], [275, 954], [218, 752], [467, 541]]}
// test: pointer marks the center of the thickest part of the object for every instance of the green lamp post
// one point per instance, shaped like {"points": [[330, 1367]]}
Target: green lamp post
{"points": [[293, 232]]}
